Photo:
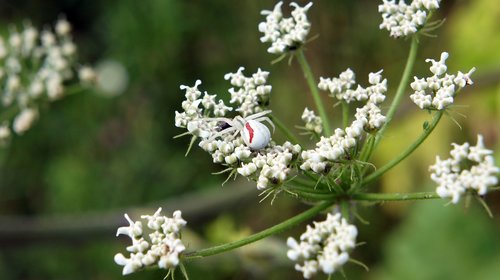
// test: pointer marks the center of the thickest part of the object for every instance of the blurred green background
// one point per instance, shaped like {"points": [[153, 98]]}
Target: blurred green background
{"points": [[65, 184]]}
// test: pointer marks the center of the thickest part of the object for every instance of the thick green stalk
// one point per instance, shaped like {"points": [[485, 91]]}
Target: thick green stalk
{"points": [[427, 130], [403, 84], [375, 197], [381, 197], [314, 91], [304, 216]]}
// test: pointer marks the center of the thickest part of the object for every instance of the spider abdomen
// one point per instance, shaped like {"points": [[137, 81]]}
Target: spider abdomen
{"points": [[256, 135]]}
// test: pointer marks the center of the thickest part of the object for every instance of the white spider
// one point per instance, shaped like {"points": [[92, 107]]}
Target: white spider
{"points": [[255, 134]]}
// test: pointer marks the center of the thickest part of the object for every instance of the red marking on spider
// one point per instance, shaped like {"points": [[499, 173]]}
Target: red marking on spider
{"points": [[250, 131]]}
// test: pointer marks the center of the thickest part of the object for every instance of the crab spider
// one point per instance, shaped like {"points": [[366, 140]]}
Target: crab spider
{"points": [[255, 134]]}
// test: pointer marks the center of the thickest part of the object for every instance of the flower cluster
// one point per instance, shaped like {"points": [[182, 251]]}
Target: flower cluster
{"points": [[223, 138], [325, 246], [401, 19], [34, 65], [164, 244], [341, 87], [469, 168], [369, 118], [438, 91], [194, 118], [272, 165], [312, 121], [252, 95], [285, 34]]}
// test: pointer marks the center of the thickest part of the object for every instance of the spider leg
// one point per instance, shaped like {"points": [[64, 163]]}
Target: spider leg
{"points": [[229, 121], [220, 133], [239, 122], [268, 120], [258, 115]]}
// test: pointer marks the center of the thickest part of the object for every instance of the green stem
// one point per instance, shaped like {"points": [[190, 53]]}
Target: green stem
{"points": [[307, 189], [381, 197], [304, 183], [367, 148], [403, 83], [314, 91], [375, 175], [345, 209], [289, 135], [304, 216], [376, 197]]}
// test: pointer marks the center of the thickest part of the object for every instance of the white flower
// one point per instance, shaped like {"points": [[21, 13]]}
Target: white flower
{"points": [[197, 128], [24, 120], [34, 64], [133, 230], [369, 118], [469, 168], [285, 33], [342, 87], [63, 27], [164, 246], [402, 19], [87, 75], [251, 94], [220, 109], [308, 269], [438, 91], [4, 133], [324, 246], [131, 264], [192, 93], [313, 123], [438, 68]]}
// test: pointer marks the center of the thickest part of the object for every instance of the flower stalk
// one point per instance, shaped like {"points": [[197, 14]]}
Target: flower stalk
{"points": [[403, 84], [427, 131], [314, 91], [302, 217]]}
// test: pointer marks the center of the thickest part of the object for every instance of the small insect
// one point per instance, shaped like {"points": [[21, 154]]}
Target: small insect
{"points": [[255, 134]]}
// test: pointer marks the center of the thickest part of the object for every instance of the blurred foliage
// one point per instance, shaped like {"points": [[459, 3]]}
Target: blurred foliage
{"points": [[92, 153], [436, 242]]}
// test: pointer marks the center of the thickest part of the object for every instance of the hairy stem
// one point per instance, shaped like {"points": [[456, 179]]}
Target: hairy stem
{"points": [[314, 91], [375, 175], [304, 216]]}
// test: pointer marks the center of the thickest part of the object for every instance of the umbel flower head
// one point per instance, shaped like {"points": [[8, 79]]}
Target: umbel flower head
{"points": [[285, 34], [162, 248], [470, 168], [402, 19], [323, 247], [243, 144], [437, 92], [313, 123], [368, 118], [36, 65]]}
